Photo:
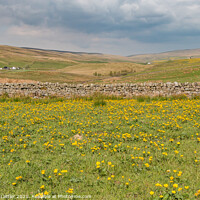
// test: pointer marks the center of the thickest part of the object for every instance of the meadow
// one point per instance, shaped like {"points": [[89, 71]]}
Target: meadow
{"points": [[113, 149]]}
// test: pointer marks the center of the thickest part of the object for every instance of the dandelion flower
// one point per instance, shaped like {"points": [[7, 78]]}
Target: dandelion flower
{"points": [[151, 193], [43, 172]]}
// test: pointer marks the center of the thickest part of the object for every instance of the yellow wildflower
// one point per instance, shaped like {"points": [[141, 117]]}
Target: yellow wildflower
{"points": [[175, 185], [151, 193], [42, 187], [64, 171], [43, 172], [166, 185]]}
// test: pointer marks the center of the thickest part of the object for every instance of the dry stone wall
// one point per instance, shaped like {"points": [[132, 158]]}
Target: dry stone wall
{"points": [[122, 89]]}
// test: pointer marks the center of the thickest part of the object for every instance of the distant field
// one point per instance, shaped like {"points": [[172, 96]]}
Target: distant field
{"points": [[53, 66], [104, 69], [169, 55], [184, 70]]}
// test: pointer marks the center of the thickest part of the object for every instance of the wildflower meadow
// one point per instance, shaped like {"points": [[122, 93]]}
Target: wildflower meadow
{"points": [[120, 149]]}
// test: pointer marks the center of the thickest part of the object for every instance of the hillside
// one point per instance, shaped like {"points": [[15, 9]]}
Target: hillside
{"points": [[182, 70], [79, 67], [14, 55], [170, 55], [60, 66]]}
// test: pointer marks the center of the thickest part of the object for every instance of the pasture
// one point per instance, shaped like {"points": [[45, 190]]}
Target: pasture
{"points": [[118, 149], [72, 67]]}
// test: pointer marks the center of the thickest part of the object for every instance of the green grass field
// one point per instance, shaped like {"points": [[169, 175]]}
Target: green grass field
{"points": [[184, 70], [114, 149]]}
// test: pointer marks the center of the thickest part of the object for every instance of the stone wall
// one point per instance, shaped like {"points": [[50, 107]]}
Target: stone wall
{"points": [[123, 89]]}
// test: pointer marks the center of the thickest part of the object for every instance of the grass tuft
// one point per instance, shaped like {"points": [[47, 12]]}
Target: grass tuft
{"points": [[99, 102]]}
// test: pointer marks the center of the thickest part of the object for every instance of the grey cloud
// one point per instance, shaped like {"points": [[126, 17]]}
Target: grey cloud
{"points": [[145, 21]]}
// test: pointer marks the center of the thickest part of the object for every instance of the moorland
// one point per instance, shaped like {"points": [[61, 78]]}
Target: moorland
{"points": [[79, 67]]}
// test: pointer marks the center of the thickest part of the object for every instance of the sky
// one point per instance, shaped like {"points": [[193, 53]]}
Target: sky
{"points": [[119, 27]]}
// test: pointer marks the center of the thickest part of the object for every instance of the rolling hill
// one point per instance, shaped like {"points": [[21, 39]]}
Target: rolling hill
{"points": [[170, 55], [80, 67], [52, 65]]}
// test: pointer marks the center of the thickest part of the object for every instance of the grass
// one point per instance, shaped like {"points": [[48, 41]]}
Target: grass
{"points": [[93, 61], [184, 70], [103, 68], [34, 63], [50, 66], [126, 149], [54, 66], [45, 76], [170, 55], [177, 70]]}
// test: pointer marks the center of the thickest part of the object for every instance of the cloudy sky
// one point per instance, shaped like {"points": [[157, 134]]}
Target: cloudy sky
{"points": [[121, 27]]}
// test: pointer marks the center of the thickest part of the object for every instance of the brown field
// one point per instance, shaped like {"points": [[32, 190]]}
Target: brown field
{"points": [[103, 68], [8, 80]]}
